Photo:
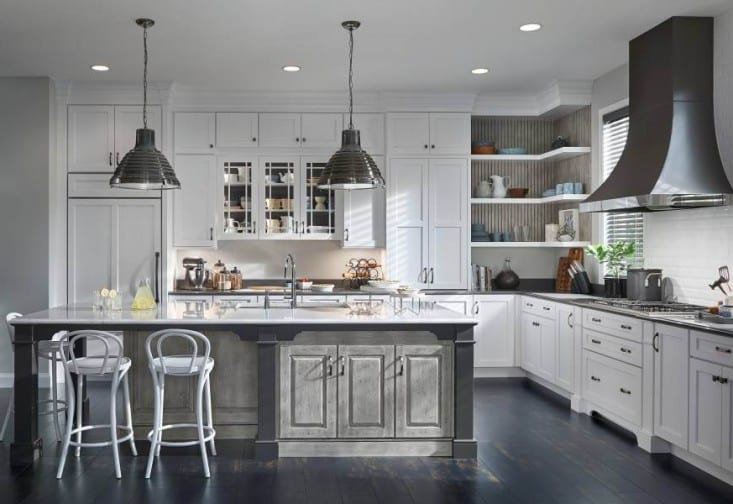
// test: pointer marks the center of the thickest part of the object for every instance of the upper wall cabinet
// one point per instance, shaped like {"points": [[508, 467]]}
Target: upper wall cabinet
{"points": [[308, 131], [429, 133], [100, 135], [236, 129], [371, 130], [194, 205], [194, 132]]}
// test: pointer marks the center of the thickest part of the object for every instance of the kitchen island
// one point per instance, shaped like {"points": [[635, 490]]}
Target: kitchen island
{"points": [[329, 382]]}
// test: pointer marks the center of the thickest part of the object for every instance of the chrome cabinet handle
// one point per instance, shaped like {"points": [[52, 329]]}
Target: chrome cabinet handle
{"points": [[330, 366], [343, 365], [595, 378], [625, 391], [432, 275], [475, 307], [346, 234], [423, 276], [723, 350], [655, 341], [295, 226], [254, 227], [570, 318], [110, 159], [117, 158], [401, 360]]}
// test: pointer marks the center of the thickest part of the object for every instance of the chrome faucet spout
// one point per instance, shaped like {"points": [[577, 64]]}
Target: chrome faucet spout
{"points": [[290, 263]]}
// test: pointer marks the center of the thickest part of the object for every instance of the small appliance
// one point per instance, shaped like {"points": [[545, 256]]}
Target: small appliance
{"points": [[196, 274]]}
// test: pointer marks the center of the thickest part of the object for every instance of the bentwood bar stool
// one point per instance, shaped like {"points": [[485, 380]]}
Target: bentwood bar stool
{"points": [[198, 364], [111, 363]]}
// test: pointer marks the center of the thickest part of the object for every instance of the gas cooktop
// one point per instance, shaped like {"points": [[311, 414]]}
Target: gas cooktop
{"points": [[650, 308]]}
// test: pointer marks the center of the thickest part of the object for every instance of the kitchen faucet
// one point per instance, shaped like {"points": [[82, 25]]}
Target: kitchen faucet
{"points": [[290, 262]]}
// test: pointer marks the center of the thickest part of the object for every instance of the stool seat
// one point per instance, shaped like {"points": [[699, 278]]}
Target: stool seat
{"points": [[181, 364], [92, 365], [48, 349]]}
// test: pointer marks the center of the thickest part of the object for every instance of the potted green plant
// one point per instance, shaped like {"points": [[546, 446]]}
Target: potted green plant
{"points": [[615, 256]]}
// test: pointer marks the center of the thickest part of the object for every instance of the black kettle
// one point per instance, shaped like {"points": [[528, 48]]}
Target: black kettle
{"points": [[507, 279]]}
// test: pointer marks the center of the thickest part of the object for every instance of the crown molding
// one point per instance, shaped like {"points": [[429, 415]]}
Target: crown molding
{"points": [[427, 102], [559, 98], [111, 93]]}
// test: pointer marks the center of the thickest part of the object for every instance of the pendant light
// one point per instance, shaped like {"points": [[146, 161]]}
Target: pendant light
{"points": [[351, 167], [144, 167]]}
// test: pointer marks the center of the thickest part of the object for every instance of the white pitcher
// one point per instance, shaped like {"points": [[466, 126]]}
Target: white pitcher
{"points": [[498, 186], [483, 190]]}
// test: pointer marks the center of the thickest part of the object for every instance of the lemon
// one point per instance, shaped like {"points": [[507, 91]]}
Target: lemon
{"points": [[104, 292], [112, 293]]}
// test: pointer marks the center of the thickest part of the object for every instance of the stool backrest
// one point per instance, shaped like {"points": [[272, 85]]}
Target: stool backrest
{"points": [[11, 330], [196, 340], [112, 350]]}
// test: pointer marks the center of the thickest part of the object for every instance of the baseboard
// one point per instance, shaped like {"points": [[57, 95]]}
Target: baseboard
{"points": [[704, 465], [6, 380], [498, 372], [340, 448], [550, 386]]}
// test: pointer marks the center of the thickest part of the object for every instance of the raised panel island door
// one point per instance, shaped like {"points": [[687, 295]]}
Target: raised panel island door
{"points": [[671, 384], [194, 205], [494, 333], [138, 238], [706, 412], [91, 254], [448, 224], [308, 391], [407, 247], [90, 140], [424, 391], [366, 391]]}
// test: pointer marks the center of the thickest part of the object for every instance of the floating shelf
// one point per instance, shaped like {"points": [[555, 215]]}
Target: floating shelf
{"points": [[553, 155], [529, 201], [557, 244]]}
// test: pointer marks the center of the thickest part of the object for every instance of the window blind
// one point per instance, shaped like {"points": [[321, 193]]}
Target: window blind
{"points": [[625, 226]]}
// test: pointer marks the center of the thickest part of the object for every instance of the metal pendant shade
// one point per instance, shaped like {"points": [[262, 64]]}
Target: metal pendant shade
{"points": [[144, 167], [351, 167]]}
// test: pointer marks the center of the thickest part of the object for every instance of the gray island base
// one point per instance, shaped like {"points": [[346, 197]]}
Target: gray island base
{"points": [[309, 381]]}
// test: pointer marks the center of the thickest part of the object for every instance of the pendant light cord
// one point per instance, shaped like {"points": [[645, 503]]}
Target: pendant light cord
{"points": [[145, 77], [351, 77]]}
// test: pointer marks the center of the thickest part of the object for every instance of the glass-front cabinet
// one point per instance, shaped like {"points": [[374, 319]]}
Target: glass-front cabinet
{"points": [[280, 202], [240, 199], [318, 205]]}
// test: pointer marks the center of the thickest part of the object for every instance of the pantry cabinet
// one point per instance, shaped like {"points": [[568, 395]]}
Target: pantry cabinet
{"points": [[429, 133]]}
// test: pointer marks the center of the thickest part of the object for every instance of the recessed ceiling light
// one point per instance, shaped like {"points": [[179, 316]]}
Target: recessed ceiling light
{"points": [[291, 68], [480, 71], [530, 27], [99, 68]]}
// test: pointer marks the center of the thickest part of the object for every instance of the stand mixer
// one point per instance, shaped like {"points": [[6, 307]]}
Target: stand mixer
{"points": [[196, 274]]}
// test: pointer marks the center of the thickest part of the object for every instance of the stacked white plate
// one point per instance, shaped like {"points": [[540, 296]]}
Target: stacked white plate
{"points": [[322, 287]]}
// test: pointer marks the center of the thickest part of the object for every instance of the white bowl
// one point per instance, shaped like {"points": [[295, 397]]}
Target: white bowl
{"points": [[322, 287], [304, 285]]}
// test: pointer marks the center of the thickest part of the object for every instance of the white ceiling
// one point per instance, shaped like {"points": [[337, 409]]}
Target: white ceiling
{"points": [[403, 45]]}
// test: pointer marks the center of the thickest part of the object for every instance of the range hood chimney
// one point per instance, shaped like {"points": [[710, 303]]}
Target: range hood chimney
{"points": [[671, 159]]}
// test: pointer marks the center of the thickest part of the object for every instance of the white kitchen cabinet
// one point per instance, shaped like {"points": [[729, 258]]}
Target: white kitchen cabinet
{"points": [[321, 131], [429, 133], [706, 410], [568, 329], [727, 445], [112, 243], [128, 119], [366, 391], [308, 391], [530, 343], [494, 333], [194, 132], [236, 129], [612, 385], [279, 130], [195, 204], [463, 304], [316, 223], [428, 222], [90, 138], [238, 179], [361, 222], [371, 131], [539, 346], [423, 391], [671, 383]]}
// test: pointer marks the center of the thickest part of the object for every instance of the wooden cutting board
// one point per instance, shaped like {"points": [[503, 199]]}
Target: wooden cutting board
{"points": [[562, 281]]}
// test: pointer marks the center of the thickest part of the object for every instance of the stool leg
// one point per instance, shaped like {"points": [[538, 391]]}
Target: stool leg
{"points": [[55, 395], [154, 440], [209, 418], [8, 412], [128, 413], [79, 402], [70, 405], [113, 425], [200, 425], [160, 420]]}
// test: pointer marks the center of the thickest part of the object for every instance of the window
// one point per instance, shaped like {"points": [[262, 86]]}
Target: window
{"points": [[624, 226]]}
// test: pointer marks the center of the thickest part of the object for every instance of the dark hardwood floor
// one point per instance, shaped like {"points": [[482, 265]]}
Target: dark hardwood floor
{"points": [[532, 449]]}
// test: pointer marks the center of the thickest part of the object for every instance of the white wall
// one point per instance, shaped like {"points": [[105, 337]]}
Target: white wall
{"points": [[26, 106], [688, 245]]}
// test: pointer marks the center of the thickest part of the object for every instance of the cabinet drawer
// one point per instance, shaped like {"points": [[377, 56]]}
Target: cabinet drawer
{"points": [[613, 385], [539, 307], [236, 302], [330, 300], [618, 325], [612, 346], [711, 347]]}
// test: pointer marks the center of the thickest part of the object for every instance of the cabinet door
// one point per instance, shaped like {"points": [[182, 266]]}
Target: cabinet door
{"points": [[494, 333], [366, 391], [408, 133], [530, 352], [566, 345], [90, 138], [671, 383], [321, 131], [194, 205], [236, 129], [307, 391], [371, 131], [194, 132], [548, 349], [450, 133], [727, 455], [280, 203], [279, 130], [424, 391], [138, 238], [360, 223], [448, 224], [91, 254], [706, 410], [317, 206], [239, 201], [407, 249], [128, 119]]}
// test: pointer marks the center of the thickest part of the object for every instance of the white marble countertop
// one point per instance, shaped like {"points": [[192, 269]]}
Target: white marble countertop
{"points": [[199, 313]]}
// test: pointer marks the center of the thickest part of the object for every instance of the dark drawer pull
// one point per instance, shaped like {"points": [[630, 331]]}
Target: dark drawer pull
{"points": [[596, 341], [723, 349], [530, 305], [627, 327], [536, 324], [624, 391], [723, 380], [596, 320], [594, 378], [546, 308], [625, 350]]}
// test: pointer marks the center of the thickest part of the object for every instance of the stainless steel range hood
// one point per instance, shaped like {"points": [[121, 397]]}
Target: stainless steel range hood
{"points": [[671, 159]]}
